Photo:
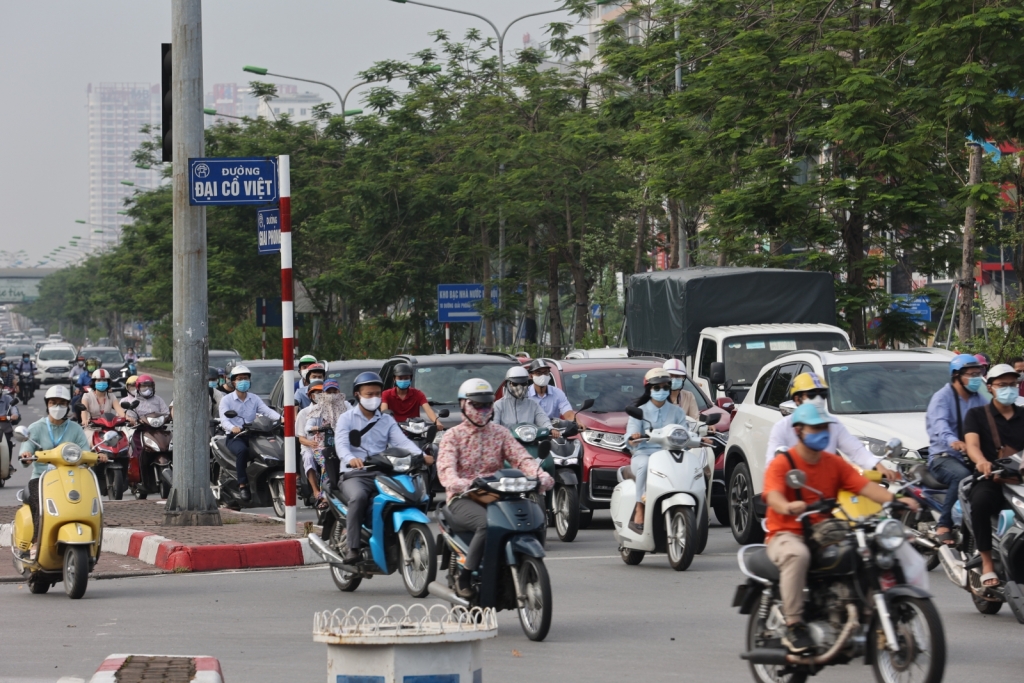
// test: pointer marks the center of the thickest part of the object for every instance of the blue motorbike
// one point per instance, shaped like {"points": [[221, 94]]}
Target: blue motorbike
{"points": [[398, 537]]}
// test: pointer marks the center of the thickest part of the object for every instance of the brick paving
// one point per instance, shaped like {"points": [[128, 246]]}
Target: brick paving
{"points": [[165, 669]]}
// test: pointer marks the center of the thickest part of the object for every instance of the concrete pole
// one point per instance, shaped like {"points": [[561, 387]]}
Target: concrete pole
{"points": [[191, 502], [966, 328]]}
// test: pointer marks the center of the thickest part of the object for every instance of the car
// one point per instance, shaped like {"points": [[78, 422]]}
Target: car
{"points": [[606, 352], [224, 358], [109, 357], [878, 395], [343, 371], [54, 362], [55, 338], [18, 348]]}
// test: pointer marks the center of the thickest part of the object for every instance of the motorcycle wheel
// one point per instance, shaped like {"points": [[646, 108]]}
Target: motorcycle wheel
{"points": [[766, 673], [277, 496], [746, 527], [535, 609], [922, 654], [586, 519], [681, 537], [702, 531], [419, 567], [165, 482], [986, 606], [631, 557], [76, 571], [345, 581], [37, 586], [567, 512], [115, 490]]}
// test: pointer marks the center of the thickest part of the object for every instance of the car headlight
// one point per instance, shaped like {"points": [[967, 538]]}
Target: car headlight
{"points": [[526, 433], [71, 453], [890, 534], [156, 421], [608, 440], [388, 491], [401, 464], [678, 439], [514, 485]]}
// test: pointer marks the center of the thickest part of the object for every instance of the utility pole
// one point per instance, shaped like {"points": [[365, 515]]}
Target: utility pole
{"points": [[967, 265], [191, 501]]}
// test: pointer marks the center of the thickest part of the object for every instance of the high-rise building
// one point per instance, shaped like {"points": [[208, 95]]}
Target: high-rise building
{"points": [[297, 105], [117, 112]]}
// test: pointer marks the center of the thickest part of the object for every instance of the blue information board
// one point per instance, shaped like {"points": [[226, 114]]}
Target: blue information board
{"points": [[918, 307], [268, 231], [232, 181], [458, 303]]}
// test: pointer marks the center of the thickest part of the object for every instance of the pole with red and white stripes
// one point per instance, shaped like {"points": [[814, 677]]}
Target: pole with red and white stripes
{"points": [[287, 339]]}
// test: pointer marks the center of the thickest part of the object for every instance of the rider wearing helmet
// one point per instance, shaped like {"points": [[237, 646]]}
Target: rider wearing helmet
{"points": [[247, 406], [100, 400], [947, 447], [149, 402], [552, 400], [304, 364], [406, 401], [9, 415], [26, 364], [315, 372], [8, 376], [474, 448], [680, 397], [515, 407], [378, 431]]}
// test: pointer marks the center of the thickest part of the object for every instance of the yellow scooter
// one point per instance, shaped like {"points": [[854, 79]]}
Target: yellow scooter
{"points": [[70, 518]]}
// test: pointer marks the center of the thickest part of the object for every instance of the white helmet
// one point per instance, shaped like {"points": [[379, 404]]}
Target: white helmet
{"points": [[58, 391], [478, 390], [518, 372], [101, 374], [239, 370], [675, 367]]}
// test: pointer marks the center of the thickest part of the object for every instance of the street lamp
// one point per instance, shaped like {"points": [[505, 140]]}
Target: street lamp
{"points": [[213, 112], [260, 71], [500, 34], [129, 183]]}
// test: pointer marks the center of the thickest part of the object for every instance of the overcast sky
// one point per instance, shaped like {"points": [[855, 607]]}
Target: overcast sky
{"points": [[52, 50]]}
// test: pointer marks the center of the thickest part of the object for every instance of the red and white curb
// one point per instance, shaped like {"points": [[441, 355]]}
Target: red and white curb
{"points": [[207, 668], [165, 553]]}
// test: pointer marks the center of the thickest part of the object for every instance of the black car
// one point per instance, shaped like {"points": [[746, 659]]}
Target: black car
{"points": [[343, 371], [109, 356]]}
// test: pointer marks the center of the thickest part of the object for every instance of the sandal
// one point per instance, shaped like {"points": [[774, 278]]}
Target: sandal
{"points": [[947, 538], [990, 576]]}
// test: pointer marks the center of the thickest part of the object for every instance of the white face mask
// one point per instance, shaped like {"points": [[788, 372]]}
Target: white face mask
{"points": [[370, 404], [58, 412], [541, 380]]}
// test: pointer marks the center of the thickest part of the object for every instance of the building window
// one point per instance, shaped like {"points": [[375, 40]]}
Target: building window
{"points": [[291, 110], [302, 112]]}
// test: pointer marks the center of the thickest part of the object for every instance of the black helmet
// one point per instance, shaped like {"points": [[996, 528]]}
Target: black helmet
{"points": [[366, 378], [403, 370], [538, 364], [212, 375]]}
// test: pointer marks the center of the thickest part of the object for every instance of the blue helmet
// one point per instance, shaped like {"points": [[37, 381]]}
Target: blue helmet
{"points": [[964, 360], [366, 378]]}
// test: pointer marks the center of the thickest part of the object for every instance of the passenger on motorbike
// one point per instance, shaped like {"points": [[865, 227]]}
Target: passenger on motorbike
{"points": [[552, 400], [246, 406], [475, 448], [91, 366], [98, 401], [404, 401], [658, 412], [944, 421], [9, 415], [304, 364], [310, 442], [328, 405], [680, 397], [378, 432], [8, 376], [826, 473], [314, 373], [515, 407], [49, 432], [984, 446]]}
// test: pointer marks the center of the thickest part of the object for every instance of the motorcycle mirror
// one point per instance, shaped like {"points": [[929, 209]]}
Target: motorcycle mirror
{"points": [[711, 419], [543, 450], [587, 405], [20, 495], [355, 438], [787, 407], [15, 400], [634, 412], [443, 413], [795, 479], [111, 438], [230, 414], [21, 434], [893, 447], [571, 430]]}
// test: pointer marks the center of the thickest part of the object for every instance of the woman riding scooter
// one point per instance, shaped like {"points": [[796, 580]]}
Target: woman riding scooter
{"points": [[658, 412]]}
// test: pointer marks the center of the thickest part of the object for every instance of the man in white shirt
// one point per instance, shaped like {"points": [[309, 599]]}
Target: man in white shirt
{"points": [[247, 406]]}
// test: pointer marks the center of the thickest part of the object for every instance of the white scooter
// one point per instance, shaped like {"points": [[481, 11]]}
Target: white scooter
{"points": [[677, 497]]}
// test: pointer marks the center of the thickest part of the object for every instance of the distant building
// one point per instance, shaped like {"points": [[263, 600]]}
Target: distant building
{"points": [[231, 99], [116, 113], [298, 106]]}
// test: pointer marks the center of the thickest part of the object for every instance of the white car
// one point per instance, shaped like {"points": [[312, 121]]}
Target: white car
{"points": [[53, 363], [877, 395]]}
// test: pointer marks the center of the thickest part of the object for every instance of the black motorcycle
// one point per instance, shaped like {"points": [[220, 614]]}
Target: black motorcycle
{"points": [[858, 603], [26, 386], [511, 574], [265, 469]]}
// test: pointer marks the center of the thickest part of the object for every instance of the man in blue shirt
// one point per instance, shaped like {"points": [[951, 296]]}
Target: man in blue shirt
{"points": [[248, 406], [552, 400], [945, 424], [377, 432]]}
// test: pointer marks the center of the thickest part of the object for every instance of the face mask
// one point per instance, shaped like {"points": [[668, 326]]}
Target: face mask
{"points": [[476, 416], [371, 403], [3, 368], [403, 383], [147, 393], [58, 412], [816, 441], [1007, 395], [213, 384], [243, 385], [517, 390], [677, 384], [660, 394], [974, 384], [541, 380], [314, 398], [818, 402], [101, 386]]}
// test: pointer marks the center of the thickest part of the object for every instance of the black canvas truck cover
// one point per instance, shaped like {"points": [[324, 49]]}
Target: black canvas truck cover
{"points": [[667, 309]]}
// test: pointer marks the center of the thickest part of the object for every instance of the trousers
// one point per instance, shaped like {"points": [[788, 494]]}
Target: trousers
{"points": [[33, 504], [468, 515], [357, 492], [793, 558], [950, 471], [986, 502], [239, 447], [638, 465]]}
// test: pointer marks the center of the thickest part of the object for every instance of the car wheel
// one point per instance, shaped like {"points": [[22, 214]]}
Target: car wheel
{"points": [[746, 527]]}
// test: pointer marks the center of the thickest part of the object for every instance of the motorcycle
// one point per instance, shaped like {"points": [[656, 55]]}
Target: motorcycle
{"points": [[962, 562], [398, 539], [113, 474], [7, 453], [511, 574], [26, 386], [676, 513], [859, 602], [151, 469], [265, 469], [428, 438], [72, 524]]}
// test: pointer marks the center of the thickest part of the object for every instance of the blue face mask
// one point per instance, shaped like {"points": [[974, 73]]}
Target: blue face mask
{"points": [[817, 441], [1007, 395], [101, 386], [213, 384], [403, 383], [974, 384], [677, 384], [243, 385], [660, 394]]}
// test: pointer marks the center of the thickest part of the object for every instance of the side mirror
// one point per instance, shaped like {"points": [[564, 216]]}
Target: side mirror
{"points": [[717, 373], [230, 414], [634, 412], [15, 400], [893, 447], [21, 434], [571, 430], [711, 419], [111, 438], [587, 405], [787, 407], [543, 449], [443, 413], [795, 479], [355, 438]]}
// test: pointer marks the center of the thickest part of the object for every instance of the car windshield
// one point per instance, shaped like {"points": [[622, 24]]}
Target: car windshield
{"points": [[263, 379], [224, 359], [346, 376], [441, 382], [110, 358], [64, 353], [18, 350], [745, 356], [884, 387]]}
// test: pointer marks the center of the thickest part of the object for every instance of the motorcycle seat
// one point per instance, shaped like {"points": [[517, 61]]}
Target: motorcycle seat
{"points": [[922, 472], [626, 472], [755, 559]]}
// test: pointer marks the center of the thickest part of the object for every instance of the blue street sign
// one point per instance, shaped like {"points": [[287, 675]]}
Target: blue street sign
{"points": [[457, 303], [232, 180], [268, 230], [918, 307]]}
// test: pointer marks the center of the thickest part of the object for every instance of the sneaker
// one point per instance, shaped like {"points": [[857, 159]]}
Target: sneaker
{"points": [[798, 638], [463, 584], [243, 493]]}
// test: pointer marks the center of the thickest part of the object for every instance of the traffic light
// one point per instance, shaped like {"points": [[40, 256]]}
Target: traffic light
{"points": [[165, 89]]}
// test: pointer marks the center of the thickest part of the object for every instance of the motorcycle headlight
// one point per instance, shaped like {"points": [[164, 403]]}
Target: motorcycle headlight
{"points": [[890, 535], [526, 433], [401, 464], [875, 446], [71, 453], [150, 443], [156, 421], [416, 427], [608, 440], [514, 485], [569, 460], [1018, 505], [388, 491], [678, 439]]}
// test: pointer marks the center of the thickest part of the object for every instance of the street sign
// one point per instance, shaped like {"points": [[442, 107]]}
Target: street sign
{"points": [[919, 308], [268, 230], [232, 180], [457, 303], [273, 311]]}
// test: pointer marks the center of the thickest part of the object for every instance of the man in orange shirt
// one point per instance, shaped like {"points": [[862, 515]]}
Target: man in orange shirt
{"points": [[825, 472]]}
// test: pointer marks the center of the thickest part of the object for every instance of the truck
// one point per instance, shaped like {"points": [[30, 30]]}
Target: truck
{"points": [[726, 324]]}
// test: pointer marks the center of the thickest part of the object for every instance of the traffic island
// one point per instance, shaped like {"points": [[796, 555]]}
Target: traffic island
{"points": [[134, 528], [158, 669]]}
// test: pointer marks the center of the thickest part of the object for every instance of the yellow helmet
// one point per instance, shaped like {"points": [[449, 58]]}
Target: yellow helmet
{"points": [[131, 380], [807, 381]]}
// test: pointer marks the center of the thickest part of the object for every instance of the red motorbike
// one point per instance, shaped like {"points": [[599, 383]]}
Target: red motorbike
{"points": [[111, 475], [150, 467]]}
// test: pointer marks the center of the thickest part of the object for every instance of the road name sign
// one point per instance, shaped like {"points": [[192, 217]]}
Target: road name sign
{"points": [[232, 181], [458, 303], [268, 230]]}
